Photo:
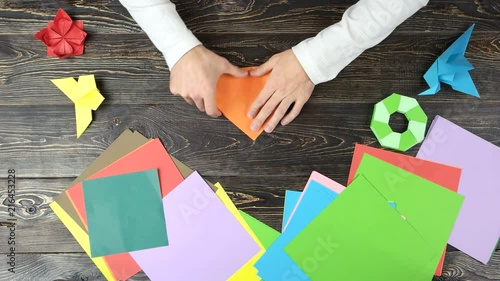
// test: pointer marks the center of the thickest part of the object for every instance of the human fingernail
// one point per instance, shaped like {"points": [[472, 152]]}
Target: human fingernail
{"points": [[251, 114], [268, 129], [254, 127]]}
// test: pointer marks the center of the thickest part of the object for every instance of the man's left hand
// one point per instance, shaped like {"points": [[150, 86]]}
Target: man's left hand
{"points": [[288, 84]]}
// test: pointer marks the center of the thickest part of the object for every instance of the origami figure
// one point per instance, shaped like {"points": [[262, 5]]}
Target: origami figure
{"points": [[86, 97], [417, 121], [452, 68], [63, 36]]}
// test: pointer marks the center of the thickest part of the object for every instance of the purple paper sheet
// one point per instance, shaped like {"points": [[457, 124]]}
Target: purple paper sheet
{"points": [[206, 242], [477, 229]]}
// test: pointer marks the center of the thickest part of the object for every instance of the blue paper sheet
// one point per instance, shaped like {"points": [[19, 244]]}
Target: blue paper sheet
{"points": [[275, 264], [291, 199]]}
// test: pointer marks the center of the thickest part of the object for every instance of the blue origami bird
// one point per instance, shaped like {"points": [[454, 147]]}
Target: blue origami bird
{"points": [[452, 68]]}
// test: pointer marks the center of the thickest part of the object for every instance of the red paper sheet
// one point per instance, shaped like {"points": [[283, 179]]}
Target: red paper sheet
{"points": [[446, 176], [152, 155]]}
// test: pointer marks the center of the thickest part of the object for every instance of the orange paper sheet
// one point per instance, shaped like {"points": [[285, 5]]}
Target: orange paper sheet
{"points": [[234, 96], [446, 176]]}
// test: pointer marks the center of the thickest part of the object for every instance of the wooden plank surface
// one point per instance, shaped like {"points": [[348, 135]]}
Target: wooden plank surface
{"points": [[127, 65], [37, 133], [77, 266], [265, 16], [213, 146]]}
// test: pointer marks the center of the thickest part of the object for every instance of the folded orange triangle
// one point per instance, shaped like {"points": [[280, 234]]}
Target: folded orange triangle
{"points": [[234, 96]]}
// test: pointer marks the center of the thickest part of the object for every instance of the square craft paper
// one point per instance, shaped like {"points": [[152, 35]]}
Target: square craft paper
{"points": [[124, 213], [358, 236], [477, 229], [206, 241], [444, 175]]}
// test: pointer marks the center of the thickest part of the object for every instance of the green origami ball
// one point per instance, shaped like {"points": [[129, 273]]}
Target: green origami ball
{"points": [[417, 121]]}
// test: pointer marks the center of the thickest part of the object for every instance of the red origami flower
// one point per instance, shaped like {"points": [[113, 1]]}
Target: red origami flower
{"points": [[63, 36]]}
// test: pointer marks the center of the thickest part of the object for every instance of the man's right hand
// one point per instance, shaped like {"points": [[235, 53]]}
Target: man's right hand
{"points": [[194, 77]]}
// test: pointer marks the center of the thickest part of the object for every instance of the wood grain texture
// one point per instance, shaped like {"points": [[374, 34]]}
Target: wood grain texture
{"points": [[37, 127], [129, 70], [77, 267], [220, 16], [30, 136]]}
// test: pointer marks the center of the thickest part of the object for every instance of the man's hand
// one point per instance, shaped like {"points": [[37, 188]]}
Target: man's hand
{"points": [[288, 84], [194, 77]]}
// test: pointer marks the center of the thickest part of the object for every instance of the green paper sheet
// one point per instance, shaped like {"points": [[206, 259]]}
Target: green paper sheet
{"points": [[265, 233], [430, 208], [124, 213], [360, 237]]}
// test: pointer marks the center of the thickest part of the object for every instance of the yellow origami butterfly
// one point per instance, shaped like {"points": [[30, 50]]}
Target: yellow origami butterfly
{"points": [[84, 95]]}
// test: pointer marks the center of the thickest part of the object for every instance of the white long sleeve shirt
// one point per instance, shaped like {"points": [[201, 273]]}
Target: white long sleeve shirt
{"points": [[363, 26]]}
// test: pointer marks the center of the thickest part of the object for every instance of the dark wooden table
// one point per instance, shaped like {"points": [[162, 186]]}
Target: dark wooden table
{"points": [[37, 126]]}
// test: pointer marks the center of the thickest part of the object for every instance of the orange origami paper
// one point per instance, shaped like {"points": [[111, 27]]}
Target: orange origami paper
{"points": [[63, 36], [234, 96]]}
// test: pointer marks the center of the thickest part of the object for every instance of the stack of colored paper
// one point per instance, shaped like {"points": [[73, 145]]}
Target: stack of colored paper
{"points": [[390, 221], [396, 215], [137, 208]]}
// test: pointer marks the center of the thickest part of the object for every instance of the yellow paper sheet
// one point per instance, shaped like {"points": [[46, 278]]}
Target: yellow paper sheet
{"points": [[85, 95], [82, 238], [248, 271]]}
